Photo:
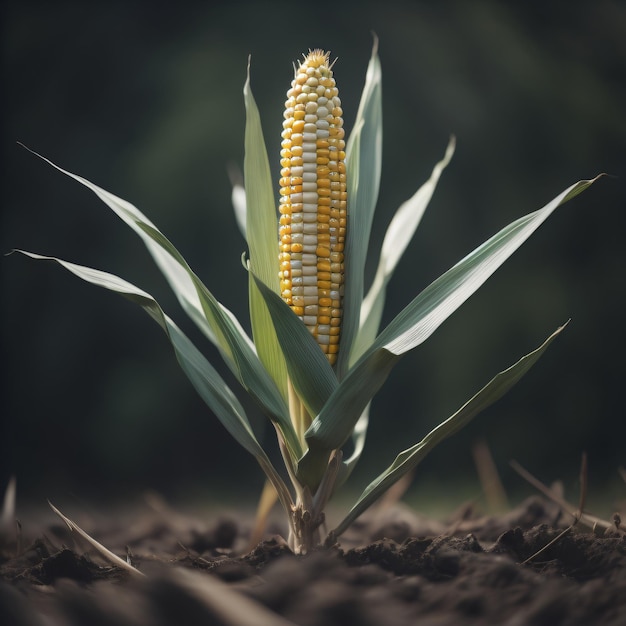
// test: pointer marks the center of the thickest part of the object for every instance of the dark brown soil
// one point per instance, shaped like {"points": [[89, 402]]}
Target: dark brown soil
{"points": [[392, 569]]}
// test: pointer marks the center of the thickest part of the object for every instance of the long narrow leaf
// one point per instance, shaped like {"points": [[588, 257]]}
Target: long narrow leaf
{"points": [[176, 275], [203, 376], [363, 168], [209, 384], [332, 427], [446, 294], [262, 236], [397, 238], [410, 458]]}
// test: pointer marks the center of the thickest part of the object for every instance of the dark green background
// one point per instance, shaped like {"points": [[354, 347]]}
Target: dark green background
{"points": [[145, 99]]}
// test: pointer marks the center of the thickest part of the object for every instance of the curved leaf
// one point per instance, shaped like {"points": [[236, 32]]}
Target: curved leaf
{"points": [[446, 294], [309, 370], [262, 236], [410, 458], [397, 238], [363, 168]]}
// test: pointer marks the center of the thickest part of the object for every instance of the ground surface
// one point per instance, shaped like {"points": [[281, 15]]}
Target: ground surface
{"points": [[393, 568]]}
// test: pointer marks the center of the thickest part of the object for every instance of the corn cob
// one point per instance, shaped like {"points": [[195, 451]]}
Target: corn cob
{"points": [[313, 195]]}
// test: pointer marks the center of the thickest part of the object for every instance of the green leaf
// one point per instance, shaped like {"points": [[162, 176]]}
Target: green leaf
{"points": [[446, 294], [363, 168], [411, 457], [205, 379], [333, 425], [203, 376], [217, 322], [262, 236], [176, 275], [309, 370], [397, 238]]}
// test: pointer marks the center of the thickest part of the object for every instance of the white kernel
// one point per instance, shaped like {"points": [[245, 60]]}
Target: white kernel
{"points": [[310, 217], [323, 329], [309, 320], [334, 294], [310, 290], [323, 339], [309, 228], [310, 127], [321, 124], [310, 167], [309, 157], [323, 134], [311, 107], [297, 290], [322, 112], [296, 170], [309, 177], [322, 101], [309, 259], [311, 309], [309, 281], [309, 270], [309, 300], [296, 197], [310, 119], [335, 277], [307, 138], [309, 186]]}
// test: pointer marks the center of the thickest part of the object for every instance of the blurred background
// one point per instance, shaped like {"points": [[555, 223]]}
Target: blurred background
{"points": [[145, 99]]}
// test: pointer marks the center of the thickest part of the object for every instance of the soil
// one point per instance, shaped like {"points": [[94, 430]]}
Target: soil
{"points": [[393, 568]]}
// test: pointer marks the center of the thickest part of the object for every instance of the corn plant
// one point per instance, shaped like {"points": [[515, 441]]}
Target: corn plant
{"points": [[317, 356]]}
